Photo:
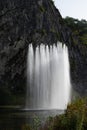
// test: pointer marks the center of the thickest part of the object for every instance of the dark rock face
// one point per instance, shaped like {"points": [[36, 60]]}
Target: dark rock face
{"points": [[33, 21], [79, 68]]}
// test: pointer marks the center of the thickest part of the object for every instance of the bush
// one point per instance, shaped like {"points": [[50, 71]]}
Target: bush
{"points": [[75, 118]]}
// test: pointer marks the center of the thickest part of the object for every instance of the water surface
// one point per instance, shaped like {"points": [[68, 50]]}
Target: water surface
{"points": [[19, 119]]}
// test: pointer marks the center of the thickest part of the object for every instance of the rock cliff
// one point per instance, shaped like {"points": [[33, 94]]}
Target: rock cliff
{"points": [[34, 21]]}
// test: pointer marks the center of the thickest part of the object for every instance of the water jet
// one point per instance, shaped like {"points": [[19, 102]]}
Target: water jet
{"points": [[48, 77]]}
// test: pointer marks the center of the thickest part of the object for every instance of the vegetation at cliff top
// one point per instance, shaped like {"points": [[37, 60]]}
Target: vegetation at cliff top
{"points": [[78, 27]]}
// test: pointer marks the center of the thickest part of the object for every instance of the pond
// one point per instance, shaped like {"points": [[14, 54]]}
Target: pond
{"points": [[19, 119]]}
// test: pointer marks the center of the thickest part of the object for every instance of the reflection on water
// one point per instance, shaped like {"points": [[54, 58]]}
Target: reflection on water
{"points": [[23, 120]]}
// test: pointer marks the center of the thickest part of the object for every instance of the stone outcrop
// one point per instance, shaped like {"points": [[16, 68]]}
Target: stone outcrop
{"points": [[34, 21]]}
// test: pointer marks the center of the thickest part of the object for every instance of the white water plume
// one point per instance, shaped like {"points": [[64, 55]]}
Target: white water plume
{"points": [[48, 77]]}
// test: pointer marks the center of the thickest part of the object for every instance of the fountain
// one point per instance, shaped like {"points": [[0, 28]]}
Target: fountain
{"points": [[48, 77]]}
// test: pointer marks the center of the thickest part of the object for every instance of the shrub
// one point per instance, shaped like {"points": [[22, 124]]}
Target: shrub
{"points": [[75, 117]]}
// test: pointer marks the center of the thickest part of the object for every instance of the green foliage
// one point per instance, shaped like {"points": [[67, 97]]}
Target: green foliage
{"points": [[83, 38], [35, 126], [75, 118], [78, 27], [37, 123]]}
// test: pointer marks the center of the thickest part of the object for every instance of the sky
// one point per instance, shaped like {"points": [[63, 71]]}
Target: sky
{"points": [[72, 8]]}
